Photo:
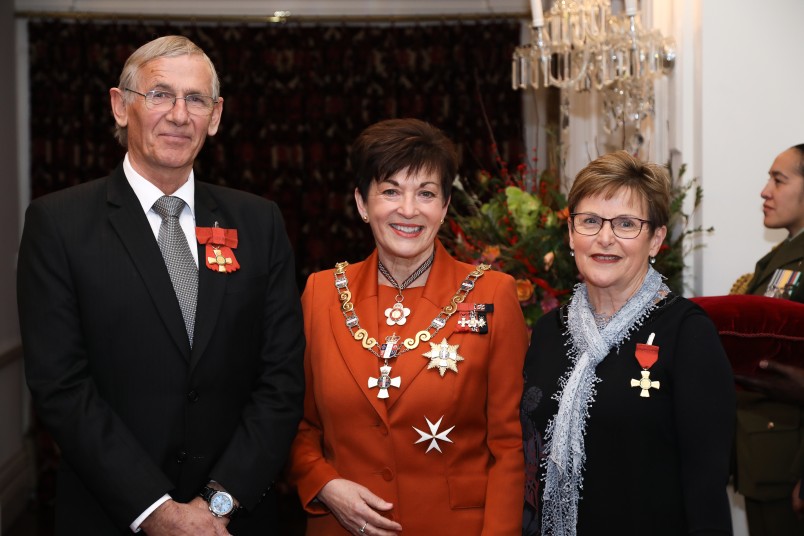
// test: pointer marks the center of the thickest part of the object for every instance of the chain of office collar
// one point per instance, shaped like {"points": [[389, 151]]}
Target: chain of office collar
{"points": [[369, 343]]}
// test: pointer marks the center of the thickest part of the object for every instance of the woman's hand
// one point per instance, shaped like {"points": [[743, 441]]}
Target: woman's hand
{"points": [[356, 508]]}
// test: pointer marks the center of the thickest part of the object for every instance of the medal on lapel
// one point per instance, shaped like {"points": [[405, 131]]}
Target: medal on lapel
{"points": [[783, 283], [219, 245], [646, 355], [443, 356], [473, 317]]}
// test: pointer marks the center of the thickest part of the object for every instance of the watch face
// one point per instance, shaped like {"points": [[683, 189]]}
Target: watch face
{"points": [[221, 503]]}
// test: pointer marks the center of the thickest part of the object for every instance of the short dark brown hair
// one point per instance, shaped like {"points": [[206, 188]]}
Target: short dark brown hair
{"points": [[620, 171], [384, 149]]}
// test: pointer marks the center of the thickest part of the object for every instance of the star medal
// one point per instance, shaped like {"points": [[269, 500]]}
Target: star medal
{"points": [[434, 436], [385, 381], [397, 315], [443, 356], [647, 355]]}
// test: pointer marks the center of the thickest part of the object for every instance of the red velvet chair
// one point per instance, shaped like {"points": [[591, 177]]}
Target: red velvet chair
{"points": [[753, 328]]}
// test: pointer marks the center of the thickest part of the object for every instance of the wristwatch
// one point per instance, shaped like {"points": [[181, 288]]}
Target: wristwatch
{"points": [[221, 503]]}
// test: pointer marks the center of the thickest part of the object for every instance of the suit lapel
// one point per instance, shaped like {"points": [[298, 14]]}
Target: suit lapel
{"points": [[211, 284], [131, 225], [362, 364]]}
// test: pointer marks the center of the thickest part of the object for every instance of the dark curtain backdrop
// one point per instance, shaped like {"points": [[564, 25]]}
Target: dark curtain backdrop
{"points": [[295, 96]]}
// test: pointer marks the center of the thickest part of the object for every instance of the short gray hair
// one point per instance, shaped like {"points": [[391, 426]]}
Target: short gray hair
{"points": [[169, 46]]}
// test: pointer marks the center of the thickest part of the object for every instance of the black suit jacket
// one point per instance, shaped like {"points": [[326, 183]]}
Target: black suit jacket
{"points": [[135, 411]]}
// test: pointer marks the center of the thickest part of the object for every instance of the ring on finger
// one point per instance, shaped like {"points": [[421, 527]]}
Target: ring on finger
{"points": [[363, 528]]}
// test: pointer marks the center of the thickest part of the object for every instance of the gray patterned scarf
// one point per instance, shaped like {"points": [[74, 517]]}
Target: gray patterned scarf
{"points": [[564, 438]]}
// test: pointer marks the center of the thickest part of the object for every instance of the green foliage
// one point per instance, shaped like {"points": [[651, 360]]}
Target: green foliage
{"points": [[681, 239], [517, 222]]}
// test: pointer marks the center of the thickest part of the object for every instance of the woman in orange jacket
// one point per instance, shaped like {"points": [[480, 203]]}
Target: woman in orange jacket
{"points": [[413, 365]]}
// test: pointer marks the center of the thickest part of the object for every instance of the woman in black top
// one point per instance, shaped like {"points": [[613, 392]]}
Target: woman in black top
{"points": [[628, 408]]}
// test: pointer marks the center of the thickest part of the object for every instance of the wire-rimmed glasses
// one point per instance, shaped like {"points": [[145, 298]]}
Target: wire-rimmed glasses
{"points": [[589, 224], [162, 101]]}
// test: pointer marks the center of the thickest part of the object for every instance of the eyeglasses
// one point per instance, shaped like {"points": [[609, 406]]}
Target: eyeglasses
{"points": [[623, 226], [162, 101]]}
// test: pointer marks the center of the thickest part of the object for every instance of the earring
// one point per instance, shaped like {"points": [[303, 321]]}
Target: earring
{"points": [[572, 253], [442, 221], [652, 260], [365, 218]]}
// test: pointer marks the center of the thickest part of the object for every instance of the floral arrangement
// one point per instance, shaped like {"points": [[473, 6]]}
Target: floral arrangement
{"points": [[516, 221], [681, 239]]}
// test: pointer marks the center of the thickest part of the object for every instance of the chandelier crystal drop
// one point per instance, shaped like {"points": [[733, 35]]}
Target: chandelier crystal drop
{"points": [[579, 45]]}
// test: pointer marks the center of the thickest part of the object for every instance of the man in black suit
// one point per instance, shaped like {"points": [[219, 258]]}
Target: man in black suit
{"points": [[163, 349]]}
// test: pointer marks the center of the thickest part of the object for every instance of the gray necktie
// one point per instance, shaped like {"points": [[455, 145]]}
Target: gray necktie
{"points": [[178, 258]]}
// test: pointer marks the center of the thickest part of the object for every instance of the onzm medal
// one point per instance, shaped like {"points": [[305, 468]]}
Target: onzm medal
{"points": [[647, 355]]}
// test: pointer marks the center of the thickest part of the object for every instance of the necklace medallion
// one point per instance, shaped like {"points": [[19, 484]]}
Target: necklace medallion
{"points": [[397, 315]]}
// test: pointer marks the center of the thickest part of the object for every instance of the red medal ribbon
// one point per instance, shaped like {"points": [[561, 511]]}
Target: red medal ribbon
{"points": [[219, 244], [647, 354]]}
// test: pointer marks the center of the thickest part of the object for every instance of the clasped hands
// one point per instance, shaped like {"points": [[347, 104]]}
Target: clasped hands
{"points": [[173, 518]]}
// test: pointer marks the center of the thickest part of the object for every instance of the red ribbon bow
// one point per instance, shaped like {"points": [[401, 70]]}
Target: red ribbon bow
{"points": [[219, 242]]}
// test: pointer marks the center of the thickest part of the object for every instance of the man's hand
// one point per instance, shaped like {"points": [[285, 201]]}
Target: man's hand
{"points": [[178, 519], [784, 383]]}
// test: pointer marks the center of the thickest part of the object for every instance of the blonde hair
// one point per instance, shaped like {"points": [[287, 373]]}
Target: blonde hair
{"points": [[619, 171], [169, 46]]}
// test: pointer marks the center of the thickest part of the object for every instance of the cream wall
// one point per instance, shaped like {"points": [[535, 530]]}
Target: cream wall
{"points": [[752, 108]]}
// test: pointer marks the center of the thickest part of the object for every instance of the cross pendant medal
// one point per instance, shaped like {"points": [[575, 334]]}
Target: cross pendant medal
{"points": [[647, 355], [384, 382], [645, 383]]}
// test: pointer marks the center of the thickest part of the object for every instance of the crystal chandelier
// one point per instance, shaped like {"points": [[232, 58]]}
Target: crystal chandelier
{"points": [[578, 45]]}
